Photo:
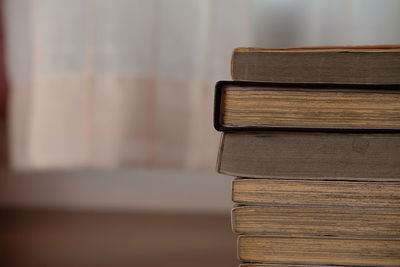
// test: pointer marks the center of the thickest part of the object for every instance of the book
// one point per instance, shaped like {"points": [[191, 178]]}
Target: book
{"points": [[316, 193], [310, 156], [284, 265], [313, 135], [330, 251], [351, 65], [265, 106], [314, 221]]}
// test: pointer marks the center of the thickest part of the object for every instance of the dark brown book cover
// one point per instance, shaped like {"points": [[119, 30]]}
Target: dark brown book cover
{"points": [[351, 65], [311, 156]]}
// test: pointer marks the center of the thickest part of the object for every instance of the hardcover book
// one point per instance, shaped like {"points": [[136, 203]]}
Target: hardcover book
{"points": [[312, 250], [357, 194], [317, 221], [311, 156], [350, 65], [265, 106]]}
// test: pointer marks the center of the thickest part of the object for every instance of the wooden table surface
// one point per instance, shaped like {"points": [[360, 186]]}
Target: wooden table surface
{"points": [[118, 239]]}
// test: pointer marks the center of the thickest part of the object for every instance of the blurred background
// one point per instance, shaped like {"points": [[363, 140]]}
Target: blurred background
{"points": [[107, 150]]}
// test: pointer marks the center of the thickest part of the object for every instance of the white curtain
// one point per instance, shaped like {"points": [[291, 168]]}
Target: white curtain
{"points": [[118, 82], [130, 82]]}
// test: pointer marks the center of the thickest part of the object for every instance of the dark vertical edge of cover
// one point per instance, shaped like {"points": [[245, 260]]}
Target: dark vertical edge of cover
{"points": [[220, 150], [217, 105]]}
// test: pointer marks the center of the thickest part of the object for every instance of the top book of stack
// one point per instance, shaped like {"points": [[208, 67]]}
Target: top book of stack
{"points": [[335, 65]]}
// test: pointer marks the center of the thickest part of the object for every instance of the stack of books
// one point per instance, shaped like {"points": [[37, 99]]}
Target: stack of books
{"points": [[313, 137]]}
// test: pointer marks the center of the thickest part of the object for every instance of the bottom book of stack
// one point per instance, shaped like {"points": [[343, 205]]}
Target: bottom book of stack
{"points": [[300, 222]]}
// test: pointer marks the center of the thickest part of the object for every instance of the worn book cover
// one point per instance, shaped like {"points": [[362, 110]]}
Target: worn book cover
{"points": [[351, 65]]}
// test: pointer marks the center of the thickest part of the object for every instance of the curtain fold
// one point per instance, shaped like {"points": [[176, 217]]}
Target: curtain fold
{"points": [[118, 83]]}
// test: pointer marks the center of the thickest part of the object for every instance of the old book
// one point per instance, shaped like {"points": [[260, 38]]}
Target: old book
{"points": [[315, 156], [281, 265], [316, 193], [258, 106], [356, 65], [330, 251], [307, 221]]}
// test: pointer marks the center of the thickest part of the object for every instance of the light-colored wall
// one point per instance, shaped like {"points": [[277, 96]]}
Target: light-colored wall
{"points": [[288, 23]]}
